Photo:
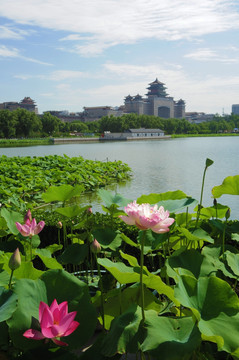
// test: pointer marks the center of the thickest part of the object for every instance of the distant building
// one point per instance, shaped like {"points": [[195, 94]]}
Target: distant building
{"points": [[134, 134], [235, 109], [65, 116], [96, 112], [198, 117], [27, 103], [157, 103], [142, 132]]}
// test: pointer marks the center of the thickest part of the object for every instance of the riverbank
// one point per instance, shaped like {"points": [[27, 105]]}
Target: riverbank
{"points": [[105, 139], [25, 142], [174, 136], [74, 140]]}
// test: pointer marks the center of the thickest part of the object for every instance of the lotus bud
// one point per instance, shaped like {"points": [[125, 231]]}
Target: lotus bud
{"points": [[59, 225], [15, 260], [95, 247], [209, 162], [228, 214], [89, 210], [28, 216], [215, 202]]}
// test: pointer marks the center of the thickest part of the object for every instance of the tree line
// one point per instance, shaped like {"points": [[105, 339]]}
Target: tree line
{"points": [[169, 126], [22, 123]]}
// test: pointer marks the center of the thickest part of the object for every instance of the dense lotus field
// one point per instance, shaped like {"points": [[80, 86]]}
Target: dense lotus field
{"points": [[23, 179], [150, 278]]}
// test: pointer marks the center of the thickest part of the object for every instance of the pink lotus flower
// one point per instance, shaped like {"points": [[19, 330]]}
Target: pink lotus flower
{"points": [[95, 247], [146, 217], [55, 322], [30, 226]]}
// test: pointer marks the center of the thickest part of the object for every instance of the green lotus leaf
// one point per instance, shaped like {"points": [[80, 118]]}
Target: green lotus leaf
{"points": [[29, 293], [117, 301], [122, 273], [212, 264], [232, 261], [230, 185], [125, 333], [4, 278], [70, 211], [25, 271], [11, 218], [131, 259], [184, 262], [8, 303], [170, 338], [49, 262], [218, 211], [155, 198], [127, 275], [73, 254], [108, 238], [215, 305], [196, 236], [110, 199], [62, 193], [177, 205]]}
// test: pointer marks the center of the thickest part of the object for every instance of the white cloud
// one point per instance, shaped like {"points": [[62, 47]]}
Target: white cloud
{"points": [[9, 32], [206, 54], [61, 75], [58, 75], [15, 53], [22, 77], [7, 52], [106, 23]]}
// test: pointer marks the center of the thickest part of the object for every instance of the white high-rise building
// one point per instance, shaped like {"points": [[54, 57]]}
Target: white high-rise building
{"points": [[235, 109]]}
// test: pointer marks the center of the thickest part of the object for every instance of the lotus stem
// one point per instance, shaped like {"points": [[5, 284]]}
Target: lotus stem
{"points": [[141, 275], [10, 280], [208, 163], [223, 239], [101, 291]]}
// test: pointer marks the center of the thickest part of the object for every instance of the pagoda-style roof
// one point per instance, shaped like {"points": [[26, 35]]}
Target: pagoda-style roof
{"points": [[138, 97], [27, 100], [155, 82], [157, 88], [180, 102], [128, 98]]}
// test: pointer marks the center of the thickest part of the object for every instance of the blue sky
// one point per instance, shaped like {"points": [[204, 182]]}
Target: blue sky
{"points": [[69, 54]]}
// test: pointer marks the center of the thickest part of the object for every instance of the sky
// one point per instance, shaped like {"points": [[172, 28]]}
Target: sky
{"points": [[67, 54]]}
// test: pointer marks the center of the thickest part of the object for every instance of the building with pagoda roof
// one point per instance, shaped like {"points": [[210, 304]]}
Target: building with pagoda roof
{"points": [[27, 103], [157, 103]]}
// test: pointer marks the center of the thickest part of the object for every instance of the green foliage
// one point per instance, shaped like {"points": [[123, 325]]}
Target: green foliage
{"points": [[8, 304], [229, 186], [23, 179], [172, 295], [173, 127]]}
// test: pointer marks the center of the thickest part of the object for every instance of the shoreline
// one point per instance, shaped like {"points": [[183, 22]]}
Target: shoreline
{"points": [[4, 143], [105, 139]]}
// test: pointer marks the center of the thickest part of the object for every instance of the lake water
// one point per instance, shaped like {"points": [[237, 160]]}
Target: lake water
{"points": [[159, 165]]}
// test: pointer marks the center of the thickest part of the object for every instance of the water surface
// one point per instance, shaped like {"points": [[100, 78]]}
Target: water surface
{"points": [[159, 165]]}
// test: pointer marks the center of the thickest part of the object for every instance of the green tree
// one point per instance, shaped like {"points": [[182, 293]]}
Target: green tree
{"points": [[28, 123], [78, 126], [50, 123], [7, 124]]}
